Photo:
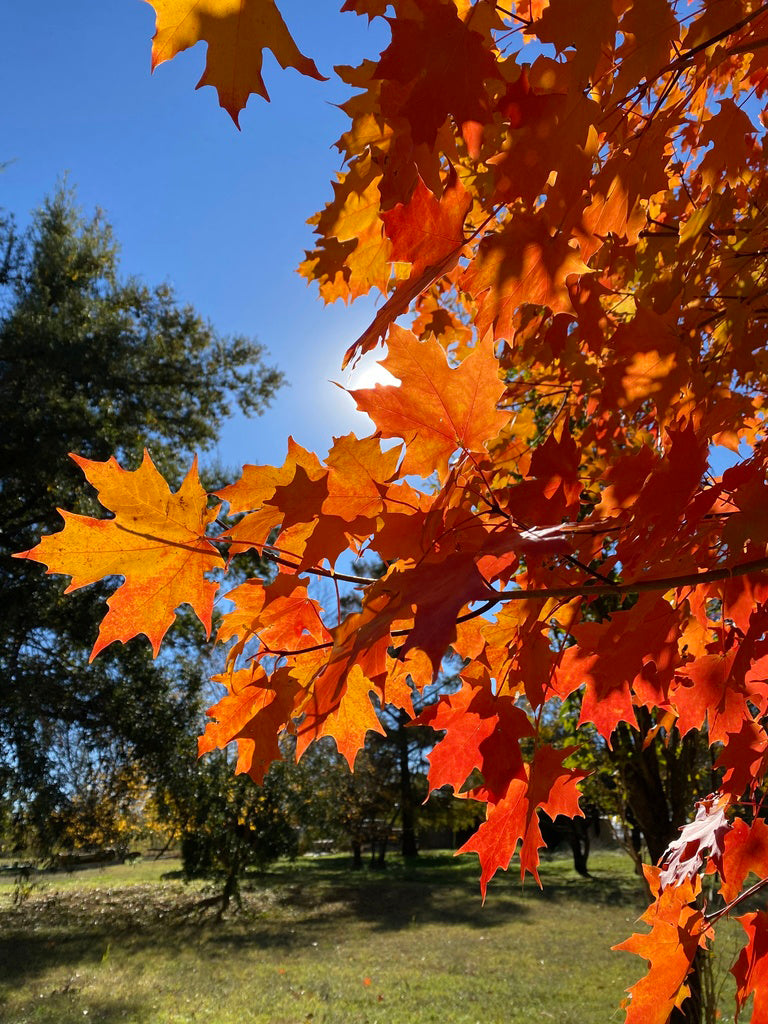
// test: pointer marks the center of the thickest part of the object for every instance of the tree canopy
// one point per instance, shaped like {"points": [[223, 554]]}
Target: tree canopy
{"points": [[98, 364], [568, 201]]}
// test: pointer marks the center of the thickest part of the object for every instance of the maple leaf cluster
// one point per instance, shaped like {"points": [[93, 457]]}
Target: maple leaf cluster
{"points": [[571, 210]]}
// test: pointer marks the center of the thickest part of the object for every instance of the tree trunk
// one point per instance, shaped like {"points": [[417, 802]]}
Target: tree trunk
{"points": [[231, 889], [580, 844], [357, 854], [409, 846]]}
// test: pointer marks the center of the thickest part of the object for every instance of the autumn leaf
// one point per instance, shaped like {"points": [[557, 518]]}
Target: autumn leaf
{"points": [[437, 409], [436, 65], [481, 733], [751, 968], [426, 232], [156, 541], [678, 930], [348, 722], [544, 784], [426, 228], [359, 471], [254, 492], [743, 760], [252, 715], [745, 850], [280, 616], [431, 595], [612, 659], [706, 833], [236, 31], [524, 262], [563, 24]]}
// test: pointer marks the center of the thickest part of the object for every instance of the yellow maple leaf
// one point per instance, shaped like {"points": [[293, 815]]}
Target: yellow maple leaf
{"points": [[236, 31], [156, 541], [348, 722]]}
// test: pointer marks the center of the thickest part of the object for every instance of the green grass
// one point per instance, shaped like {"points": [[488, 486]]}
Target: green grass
{"points": [[316, 943]]}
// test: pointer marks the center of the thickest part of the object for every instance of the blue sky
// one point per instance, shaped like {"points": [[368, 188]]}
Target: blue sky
{"points": [[219, 214]]}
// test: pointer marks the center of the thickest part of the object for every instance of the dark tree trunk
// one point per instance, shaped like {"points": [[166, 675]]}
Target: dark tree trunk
{"points": [[357, 854], [691, 1010], [409, 846], [579, 840], [231, 889]]}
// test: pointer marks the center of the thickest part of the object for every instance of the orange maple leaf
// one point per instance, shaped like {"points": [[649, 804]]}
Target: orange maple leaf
{"points": [[524, 262], [428, 233], [254, 494], [348, 722], [678, 928], [236, 31], [156, 541], [438, 409], [279, 615], [481, 731], [614, 657], [253, 715], [745, 850], [426, 228], [751, 968], [436, 65]]}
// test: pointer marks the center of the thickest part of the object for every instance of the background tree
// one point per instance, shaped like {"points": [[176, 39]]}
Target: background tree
{"points": [[92, 363], [227, 826], [346, 809], [394, 762]]}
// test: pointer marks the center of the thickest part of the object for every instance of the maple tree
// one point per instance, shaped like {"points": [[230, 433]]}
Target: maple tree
{"points": [[571, 210]]}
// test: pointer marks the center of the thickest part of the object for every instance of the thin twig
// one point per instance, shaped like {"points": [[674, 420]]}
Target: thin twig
{"points": [[594, 590], [717, 914]]}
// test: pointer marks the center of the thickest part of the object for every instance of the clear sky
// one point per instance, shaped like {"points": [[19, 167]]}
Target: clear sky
{"points": [[219, 214]]}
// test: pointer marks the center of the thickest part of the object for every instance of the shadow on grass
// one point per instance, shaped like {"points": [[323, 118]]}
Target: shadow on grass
{"points": [[25, 956], [605, 886], [432, 876], [59, 1007], [314, 901]]}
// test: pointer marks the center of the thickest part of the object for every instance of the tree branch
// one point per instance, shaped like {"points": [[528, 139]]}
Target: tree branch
{"points": [[693, 579]]}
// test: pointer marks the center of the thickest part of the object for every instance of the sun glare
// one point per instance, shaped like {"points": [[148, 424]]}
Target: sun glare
{"points": [[367, 374]]}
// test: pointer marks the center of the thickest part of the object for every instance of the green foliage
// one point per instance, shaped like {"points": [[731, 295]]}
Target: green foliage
{"points": [[229, 825], [95, 364]]}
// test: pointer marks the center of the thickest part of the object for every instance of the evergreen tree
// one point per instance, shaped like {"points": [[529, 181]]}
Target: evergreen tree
{"points": [[98, 365]]}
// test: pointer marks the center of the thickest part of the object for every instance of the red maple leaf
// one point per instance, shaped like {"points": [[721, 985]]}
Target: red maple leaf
{"points": [[482, 732], [544, 784], [751, 968]]}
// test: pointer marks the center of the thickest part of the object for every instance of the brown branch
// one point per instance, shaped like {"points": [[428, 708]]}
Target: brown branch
{"points": [[545, 593], [711, 918], [316, 570], [693, 579], [196, 547], [395, 632], [677, 65], [749, 47], [685, 58], [511, 14]]}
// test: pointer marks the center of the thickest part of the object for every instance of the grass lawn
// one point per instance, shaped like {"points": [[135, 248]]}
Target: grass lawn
{"points": [[317, 943]]}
